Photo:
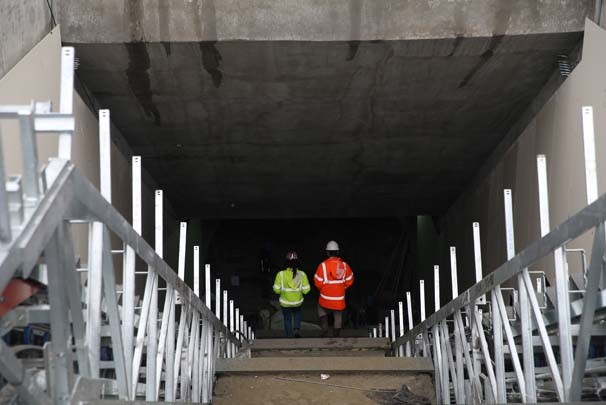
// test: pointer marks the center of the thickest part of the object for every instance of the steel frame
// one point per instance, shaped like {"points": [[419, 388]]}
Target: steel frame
{"points": [[85, 302], [470, 370]]}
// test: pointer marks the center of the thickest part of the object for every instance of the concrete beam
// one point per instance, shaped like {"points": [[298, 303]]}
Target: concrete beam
{"points": [[23, 23], [325, 364], [120, 21]]}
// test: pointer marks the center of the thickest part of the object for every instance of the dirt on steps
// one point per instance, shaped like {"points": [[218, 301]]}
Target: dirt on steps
{"points": [[310, 389]]}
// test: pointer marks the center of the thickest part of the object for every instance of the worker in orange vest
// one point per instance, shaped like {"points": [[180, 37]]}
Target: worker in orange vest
{"points": [[332, 278]]}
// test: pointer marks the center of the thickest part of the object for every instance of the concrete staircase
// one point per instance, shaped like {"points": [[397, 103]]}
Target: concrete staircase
{"points": [[336, 347], [321, 371]]}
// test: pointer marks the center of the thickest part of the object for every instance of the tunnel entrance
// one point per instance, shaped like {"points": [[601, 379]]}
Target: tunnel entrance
{"points": [[247, 255]]}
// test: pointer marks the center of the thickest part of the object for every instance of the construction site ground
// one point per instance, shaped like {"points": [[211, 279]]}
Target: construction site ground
{"points": [[310, 389]]}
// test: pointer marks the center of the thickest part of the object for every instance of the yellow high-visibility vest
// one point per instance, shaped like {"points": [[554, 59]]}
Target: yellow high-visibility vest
{"points": [[291, 287]]}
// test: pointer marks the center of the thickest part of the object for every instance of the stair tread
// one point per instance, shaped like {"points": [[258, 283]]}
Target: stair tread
{"points": [[321, 343], [324, 364]]}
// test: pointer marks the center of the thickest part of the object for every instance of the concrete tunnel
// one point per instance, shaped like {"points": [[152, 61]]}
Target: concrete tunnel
{"points": [[279, 126], [452, 148], [276, 126]]}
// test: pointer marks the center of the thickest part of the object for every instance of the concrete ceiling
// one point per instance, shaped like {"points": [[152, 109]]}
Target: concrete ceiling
{"points": [[309, 129]]}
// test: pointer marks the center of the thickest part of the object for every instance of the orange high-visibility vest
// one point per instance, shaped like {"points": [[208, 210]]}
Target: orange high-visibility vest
{"points": [[332, 278]]}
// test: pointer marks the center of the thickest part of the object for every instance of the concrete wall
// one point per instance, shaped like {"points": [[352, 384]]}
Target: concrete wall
{"points": [[313, 20], [556, 132], [36, 77], [23, 23]]}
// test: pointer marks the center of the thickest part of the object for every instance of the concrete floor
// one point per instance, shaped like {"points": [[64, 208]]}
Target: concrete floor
{"points": [[309, 389]]}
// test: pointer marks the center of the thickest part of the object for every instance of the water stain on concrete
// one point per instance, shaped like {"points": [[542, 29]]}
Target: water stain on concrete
{"points": [[457, 43], [355, 24], [211, 61], [167, 48], [352, 50], [133, 10], [164, 25], [501, 23], [484, 59], [139, 80]]}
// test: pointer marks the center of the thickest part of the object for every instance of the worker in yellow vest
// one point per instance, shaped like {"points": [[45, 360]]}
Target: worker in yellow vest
{"points": [[291, 284]]}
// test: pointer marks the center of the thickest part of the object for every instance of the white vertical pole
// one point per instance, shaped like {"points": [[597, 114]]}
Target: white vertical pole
{"points": [[422, 305], [231, 325], [197, 271], [137, 194], [207, 287], [591, 168], [436, 286], [561, 275], [237, 323], [422, 298], [128, 275], [393, 325], [401, 322], [410, 321], [181, 259], [443, 387], [95, 271], [374, 332], [105, 172], [409, 305], [453, 272], [225, 308], [477, 254], [509, 234], [458, 343], [225, 323], [66, 98], [152, 330], [525, 320], [218, 298], [387, 327], [193, 371], [242, 328]]}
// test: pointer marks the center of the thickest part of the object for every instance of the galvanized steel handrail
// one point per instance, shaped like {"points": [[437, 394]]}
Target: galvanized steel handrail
{"points": [[49, 203], [465, 364], [587, 218]]}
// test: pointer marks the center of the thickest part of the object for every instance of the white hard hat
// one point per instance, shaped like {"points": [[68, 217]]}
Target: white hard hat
{"points": [[332, 246]]}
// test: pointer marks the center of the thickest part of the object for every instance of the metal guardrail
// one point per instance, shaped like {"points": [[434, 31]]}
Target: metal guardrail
{"points": [[471, 368], [38, 212]]}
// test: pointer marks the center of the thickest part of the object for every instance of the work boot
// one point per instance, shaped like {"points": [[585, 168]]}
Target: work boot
{"points": [[324, 326], [297, 334], [336, 332]]}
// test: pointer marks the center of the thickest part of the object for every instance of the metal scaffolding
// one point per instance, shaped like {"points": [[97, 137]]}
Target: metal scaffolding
{"points": [[485, 352], [105, 341]]}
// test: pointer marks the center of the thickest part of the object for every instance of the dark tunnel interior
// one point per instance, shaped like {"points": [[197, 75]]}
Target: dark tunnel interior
{"points": [[246, 255]]}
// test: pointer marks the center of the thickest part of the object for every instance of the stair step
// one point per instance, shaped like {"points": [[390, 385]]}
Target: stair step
{"points": [[322, 343], [308, 333], [334, 347], [319, 353], [324, 364]]}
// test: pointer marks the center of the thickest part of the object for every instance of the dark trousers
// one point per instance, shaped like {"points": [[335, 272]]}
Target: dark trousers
{"points": [[292, 319]]}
